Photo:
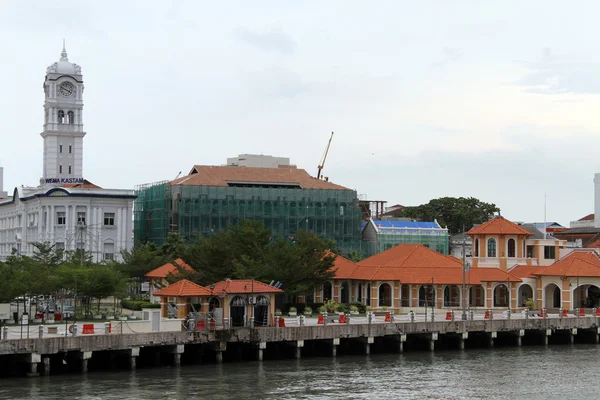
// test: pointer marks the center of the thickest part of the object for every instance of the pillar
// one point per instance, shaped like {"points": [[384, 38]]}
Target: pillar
{"points": [[177, 351], [546, 336], [219, 357], [134, 352], [84, 356], [520, 334], [299, 346], [46, 366], [401, 340], [461, 343], [259, 353], [370, 341], [432, 339], [572, 335], [334, 345], [493, 335], [32, 361]]}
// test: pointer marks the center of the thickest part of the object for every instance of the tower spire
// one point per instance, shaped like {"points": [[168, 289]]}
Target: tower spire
{"points": [[63, 55]]}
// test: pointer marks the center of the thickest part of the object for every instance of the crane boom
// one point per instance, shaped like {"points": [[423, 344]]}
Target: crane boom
{"points": [[322, 164]]}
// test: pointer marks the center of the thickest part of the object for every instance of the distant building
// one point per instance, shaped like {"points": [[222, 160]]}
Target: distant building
{"points": [[550, 227], [3, 194], [65, 210], [258, 161], [585, 232], [457, 242], [211, 198], [381, 235]]}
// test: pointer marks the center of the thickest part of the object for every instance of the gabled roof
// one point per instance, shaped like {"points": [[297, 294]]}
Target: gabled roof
{"points": [[164, 270], [243, 286], [207, 175], [183, 288], [85, 185], [524, 271], [499, 226], [410, 255], [576, 263], [589, 217]]}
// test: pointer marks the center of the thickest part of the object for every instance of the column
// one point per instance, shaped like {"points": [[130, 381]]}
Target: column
{"points": [[259, 353], [118, 223], [335, 343], [46, 366], [520, 334], [299, 346], [89, 222], [572, 335], [134, 353], [546, 336], [84, 356], [32, 360], [463, 337], [401, 340], [220, 348], [493, 335], [370, 341], [67, 225], [432, 339], [177, 351]]}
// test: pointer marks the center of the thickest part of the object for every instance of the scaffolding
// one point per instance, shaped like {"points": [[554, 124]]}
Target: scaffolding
{"points": [[434, 239], [196, 211]]}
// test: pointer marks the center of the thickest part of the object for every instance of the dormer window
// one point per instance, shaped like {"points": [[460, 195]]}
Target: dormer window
{"points": [[491, 247], [61, 117]]}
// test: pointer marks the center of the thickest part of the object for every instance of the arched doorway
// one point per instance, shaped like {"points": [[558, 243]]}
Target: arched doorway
{"points": [[426, 296], [451, 296], [345, 293], [476, 296], [359, 295], [261, 311], [237, 311], [501, 296], [327, 291], [593, 296], [214, 303], [368, 294], [552, 296], [385, 295], [525, 293]]}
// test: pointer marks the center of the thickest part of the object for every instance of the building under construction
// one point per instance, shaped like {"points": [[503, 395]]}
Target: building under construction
{"points": [[211, 198]]}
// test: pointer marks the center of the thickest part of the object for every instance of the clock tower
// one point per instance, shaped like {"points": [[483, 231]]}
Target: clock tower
{"points": [[63, 123]]}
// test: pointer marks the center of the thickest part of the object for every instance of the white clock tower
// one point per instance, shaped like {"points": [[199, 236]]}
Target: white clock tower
{"points": [[63, 123]]}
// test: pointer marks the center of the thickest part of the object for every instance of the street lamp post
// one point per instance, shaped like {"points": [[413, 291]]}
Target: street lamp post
{"points": [[464, 271]]}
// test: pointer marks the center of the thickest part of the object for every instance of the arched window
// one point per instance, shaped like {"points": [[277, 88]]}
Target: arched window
{"points": [[491, 247], [385, 295], [327, 291], [70, 117], [61, 117], [511, 247], [476, 248]]}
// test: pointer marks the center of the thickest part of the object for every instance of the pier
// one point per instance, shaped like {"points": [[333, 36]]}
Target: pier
{"points": [[35, 356]]}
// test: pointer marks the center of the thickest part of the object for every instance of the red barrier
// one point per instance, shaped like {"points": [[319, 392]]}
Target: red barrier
{"points": [[564, 312], [281, 322], [320, 320], [211, 324], [388, 317], [110, 327], [581, 312], [88, 329], [57, 317], [543, 313], [200, 325], [487, 314], [448, 315], [343, 319], [597, 312]]}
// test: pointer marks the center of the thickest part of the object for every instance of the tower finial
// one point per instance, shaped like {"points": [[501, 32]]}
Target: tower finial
{"points": [[63, 55]]}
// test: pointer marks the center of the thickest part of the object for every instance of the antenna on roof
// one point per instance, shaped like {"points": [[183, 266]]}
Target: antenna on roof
{"points": [[178, 175]]}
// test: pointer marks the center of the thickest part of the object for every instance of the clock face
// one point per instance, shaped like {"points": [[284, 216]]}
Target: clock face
{"points": [[66, 89]]}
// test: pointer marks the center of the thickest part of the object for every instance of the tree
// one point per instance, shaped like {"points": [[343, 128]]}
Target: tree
{"points": [[46, 254], [355, 256], [141, 259], [455, 213], [173, 247]]}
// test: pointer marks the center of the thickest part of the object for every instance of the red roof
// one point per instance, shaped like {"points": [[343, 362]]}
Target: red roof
{"points": [[589, 217], [576, 263], [343, 267], [164, 270], [499, 226], [245, 286], [524, 271], [411, 255], [183, 288]]}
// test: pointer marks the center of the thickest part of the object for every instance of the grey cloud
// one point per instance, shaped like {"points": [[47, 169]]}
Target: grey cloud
{"points": [[273, 40]]}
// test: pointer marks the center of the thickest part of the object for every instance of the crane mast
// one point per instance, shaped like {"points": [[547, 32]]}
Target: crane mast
{"points": [[322, 164]]}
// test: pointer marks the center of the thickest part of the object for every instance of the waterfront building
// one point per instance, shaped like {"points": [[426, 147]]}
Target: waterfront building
{"points": [[211, 198], [383, 234], [157, 278], [65, 210]]}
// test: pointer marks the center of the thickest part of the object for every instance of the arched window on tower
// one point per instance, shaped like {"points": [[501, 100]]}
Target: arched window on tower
{"points": [[61, 117], [70, 117], [491, 247], [511, 247]]}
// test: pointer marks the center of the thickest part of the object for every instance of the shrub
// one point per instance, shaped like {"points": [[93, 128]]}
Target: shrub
{"points": [[368, 308], [530, 304], [293, 309], [323, 308], [308, 310], [341, 308], [331, 306], [360, 306], [137, 305], [353, 308]]}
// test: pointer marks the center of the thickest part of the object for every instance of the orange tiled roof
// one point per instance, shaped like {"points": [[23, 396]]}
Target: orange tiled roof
{"points": [[524, 271], [206, 175], [589, 217], [245, 286], [164, 270], [577, 263], [499, 226], [411, 255], [440, 275], [183, 288], [343, 267]]}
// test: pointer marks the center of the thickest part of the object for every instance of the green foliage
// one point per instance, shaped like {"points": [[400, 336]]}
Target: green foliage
{"points": [[455, 213], [341, 308], [355, 256], [360, 307], [137, 305], [308, 310], [530, 304], [330, 306], [293, 309], [141, 259], [353, 308]]}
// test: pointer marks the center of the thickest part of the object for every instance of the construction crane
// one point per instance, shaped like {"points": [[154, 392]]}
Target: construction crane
{"points": [[320, 168]]}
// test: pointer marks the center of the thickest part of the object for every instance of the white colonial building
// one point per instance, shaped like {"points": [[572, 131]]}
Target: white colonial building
{"points": [[65, 210]]}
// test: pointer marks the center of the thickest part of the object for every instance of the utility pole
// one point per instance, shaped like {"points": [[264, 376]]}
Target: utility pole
{"points": [[464, 271]]}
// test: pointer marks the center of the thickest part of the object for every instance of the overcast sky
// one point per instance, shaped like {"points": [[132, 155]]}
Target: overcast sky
{"points": [[496, 100]]}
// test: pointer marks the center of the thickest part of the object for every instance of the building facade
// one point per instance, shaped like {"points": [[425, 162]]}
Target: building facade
{"points": [[211, 198], [66, 210], [381, 235]]}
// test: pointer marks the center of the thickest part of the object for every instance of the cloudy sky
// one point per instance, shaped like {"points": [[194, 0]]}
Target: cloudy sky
{"points": [[496, 100]]}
